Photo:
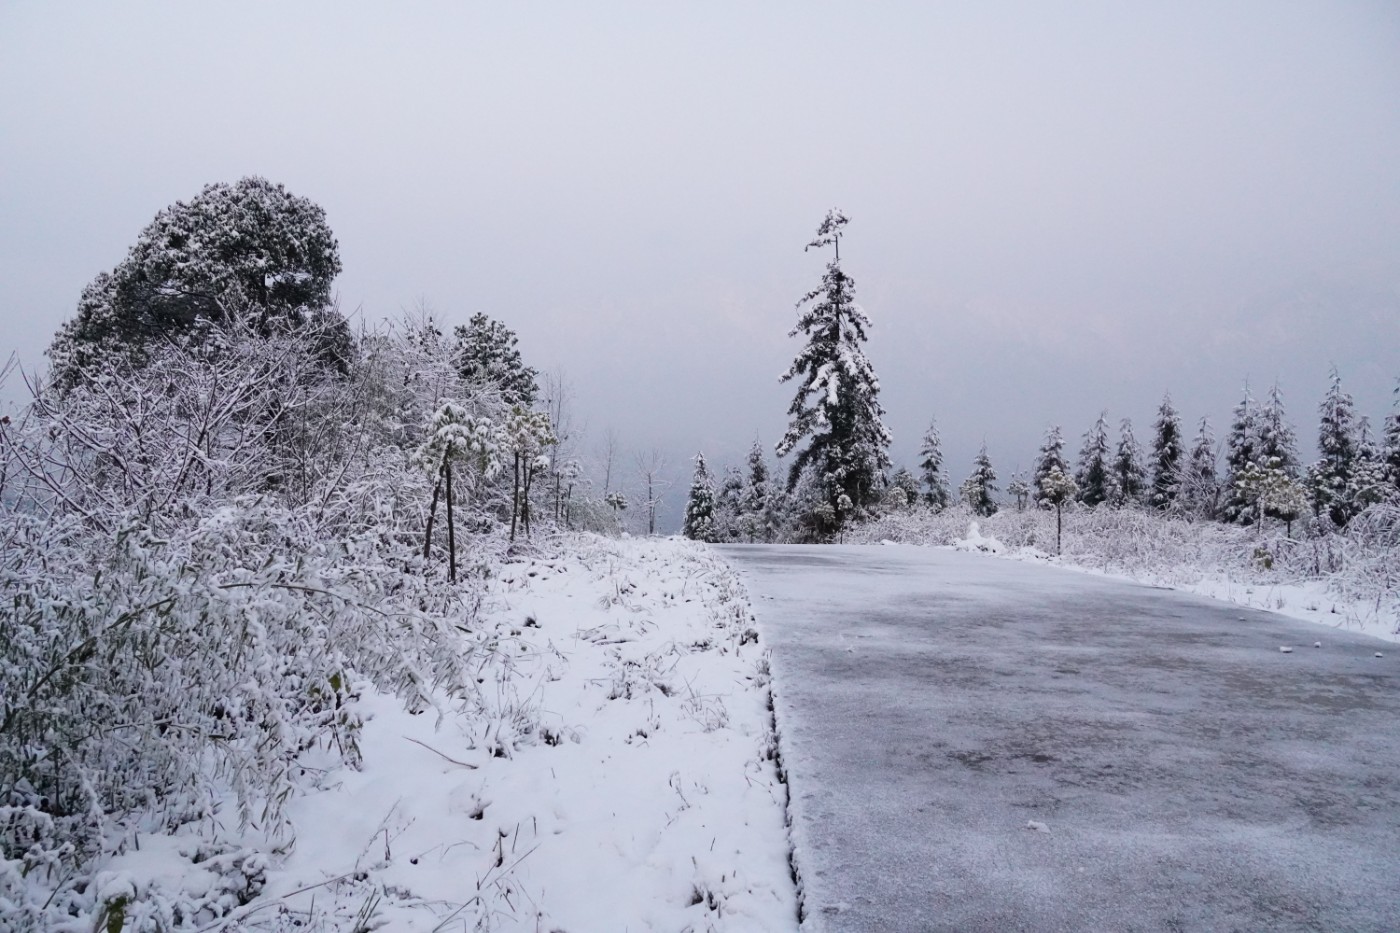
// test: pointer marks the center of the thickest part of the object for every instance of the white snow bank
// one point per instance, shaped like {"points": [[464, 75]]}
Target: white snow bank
{"points": [[614, 772]]}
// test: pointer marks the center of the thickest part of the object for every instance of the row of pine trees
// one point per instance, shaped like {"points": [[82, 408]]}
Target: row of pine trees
{"points": [[840, 475]]}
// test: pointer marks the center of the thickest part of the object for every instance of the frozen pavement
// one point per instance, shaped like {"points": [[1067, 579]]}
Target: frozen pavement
{"points": [[976, 744]]}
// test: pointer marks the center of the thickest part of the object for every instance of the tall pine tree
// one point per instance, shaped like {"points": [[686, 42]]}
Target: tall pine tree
{"points": [[1330, 477], [1129, 476], [837, 405], [1392, 442], [1052, 455], [1200, 486], [931, 469], [486, 355], [1241, 455], [1166, 456], [700, 507], [979, 489], [1094, 478], [1277, 446]]}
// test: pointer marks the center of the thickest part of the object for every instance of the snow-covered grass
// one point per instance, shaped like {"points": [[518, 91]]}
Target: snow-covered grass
{"points": [[613, 770], [1346, 579]]}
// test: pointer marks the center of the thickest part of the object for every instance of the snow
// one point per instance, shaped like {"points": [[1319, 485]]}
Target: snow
{"points": [[644, 795]]}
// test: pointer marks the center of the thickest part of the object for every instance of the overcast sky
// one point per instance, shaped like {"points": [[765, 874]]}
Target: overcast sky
{"points": [[1055, 208]]}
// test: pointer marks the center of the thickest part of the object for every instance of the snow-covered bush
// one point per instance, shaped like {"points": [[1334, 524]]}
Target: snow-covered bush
{"points": [[203, 559]]}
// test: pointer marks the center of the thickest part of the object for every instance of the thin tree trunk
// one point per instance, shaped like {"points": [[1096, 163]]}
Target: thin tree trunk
{"points": [[1059, 526], [515, 495], [451, 530], [432, 512]]}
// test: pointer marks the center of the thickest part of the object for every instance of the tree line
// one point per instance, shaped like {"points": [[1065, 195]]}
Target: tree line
{"points": [[840, 475]]}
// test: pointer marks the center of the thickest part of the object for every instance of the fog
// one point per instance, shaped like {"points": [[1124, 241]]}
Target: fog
{"points": [[1052, 211]]}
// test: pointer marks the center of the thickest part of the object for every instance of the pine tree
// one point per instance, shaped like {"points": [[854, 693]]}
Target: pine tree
{"points": [[1166, 456], [979, 489], [837, 402], [1241, 451], [1370, 477], [727, 522], [1200, 487], [1276, 439], [1392, 442], [903, 490], [700, 507], [931, 468], [1093, 478], [762, 515], [1129, 476], [1329, 477], [486, 355], [1052, 455]]}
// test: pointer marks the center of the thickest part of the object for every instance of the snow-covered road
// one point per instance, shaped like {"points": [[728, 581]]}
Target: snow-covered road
{"points": [[976, 744]]}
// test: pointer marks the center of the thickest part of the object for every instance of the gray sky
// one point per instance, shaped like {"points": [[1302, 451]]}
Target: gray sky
{"points": [[1055, 208]]}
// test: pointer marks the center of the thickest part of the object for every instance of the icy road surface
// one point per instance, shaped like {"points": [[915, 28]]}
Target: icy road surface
{"points": [[976, 744]]}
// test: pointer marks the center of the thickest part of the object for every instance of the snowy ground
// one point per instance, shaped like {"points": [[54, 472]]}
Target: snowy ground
{"points": [[1308, 600], [621, 779]]}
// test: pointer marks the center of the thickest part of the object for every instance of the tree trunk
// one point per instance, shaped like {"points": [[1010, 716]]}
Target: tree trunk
{"points": [[451, 530], [525, 497], [1059, 526], [432, 511], [515, 495]]}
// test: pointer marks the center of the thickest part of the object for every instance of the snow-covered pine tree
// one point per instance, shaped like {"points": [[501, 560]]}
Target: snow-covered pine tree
{"points": [[1370, 476], [251, 249], [1200, 487], [979, 489], [1052, 454], [837, 402], [486, 355], [1330, 476], [700, 507], [1094, 478], [931, 468], [1166, 456], [1276, 439], [729, 508], [1130, 478], [1392, 442], [1241, 450], [903, 490], [759, 523]]}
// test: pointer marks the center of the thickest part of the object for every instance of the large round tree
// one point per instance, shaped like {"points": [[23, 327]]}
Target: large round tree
{"points": [[251, 250]]}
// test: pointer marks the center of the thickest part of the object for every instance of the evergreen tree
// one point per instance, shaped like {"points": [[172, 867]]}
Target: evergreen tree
{"points": [[1129, 475], [1052, 455], [904, 489], [1276, 441], [1093, 478], [1200, 487], [931, 468], [1370, 477], [761, 511], [837, 402], [1392, 442], [1166, 456], [250, 250], [1241, 451], [979, 489], [729, 507], [1330, 476], [700, 507], [1019, 490], [486, 355]]}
